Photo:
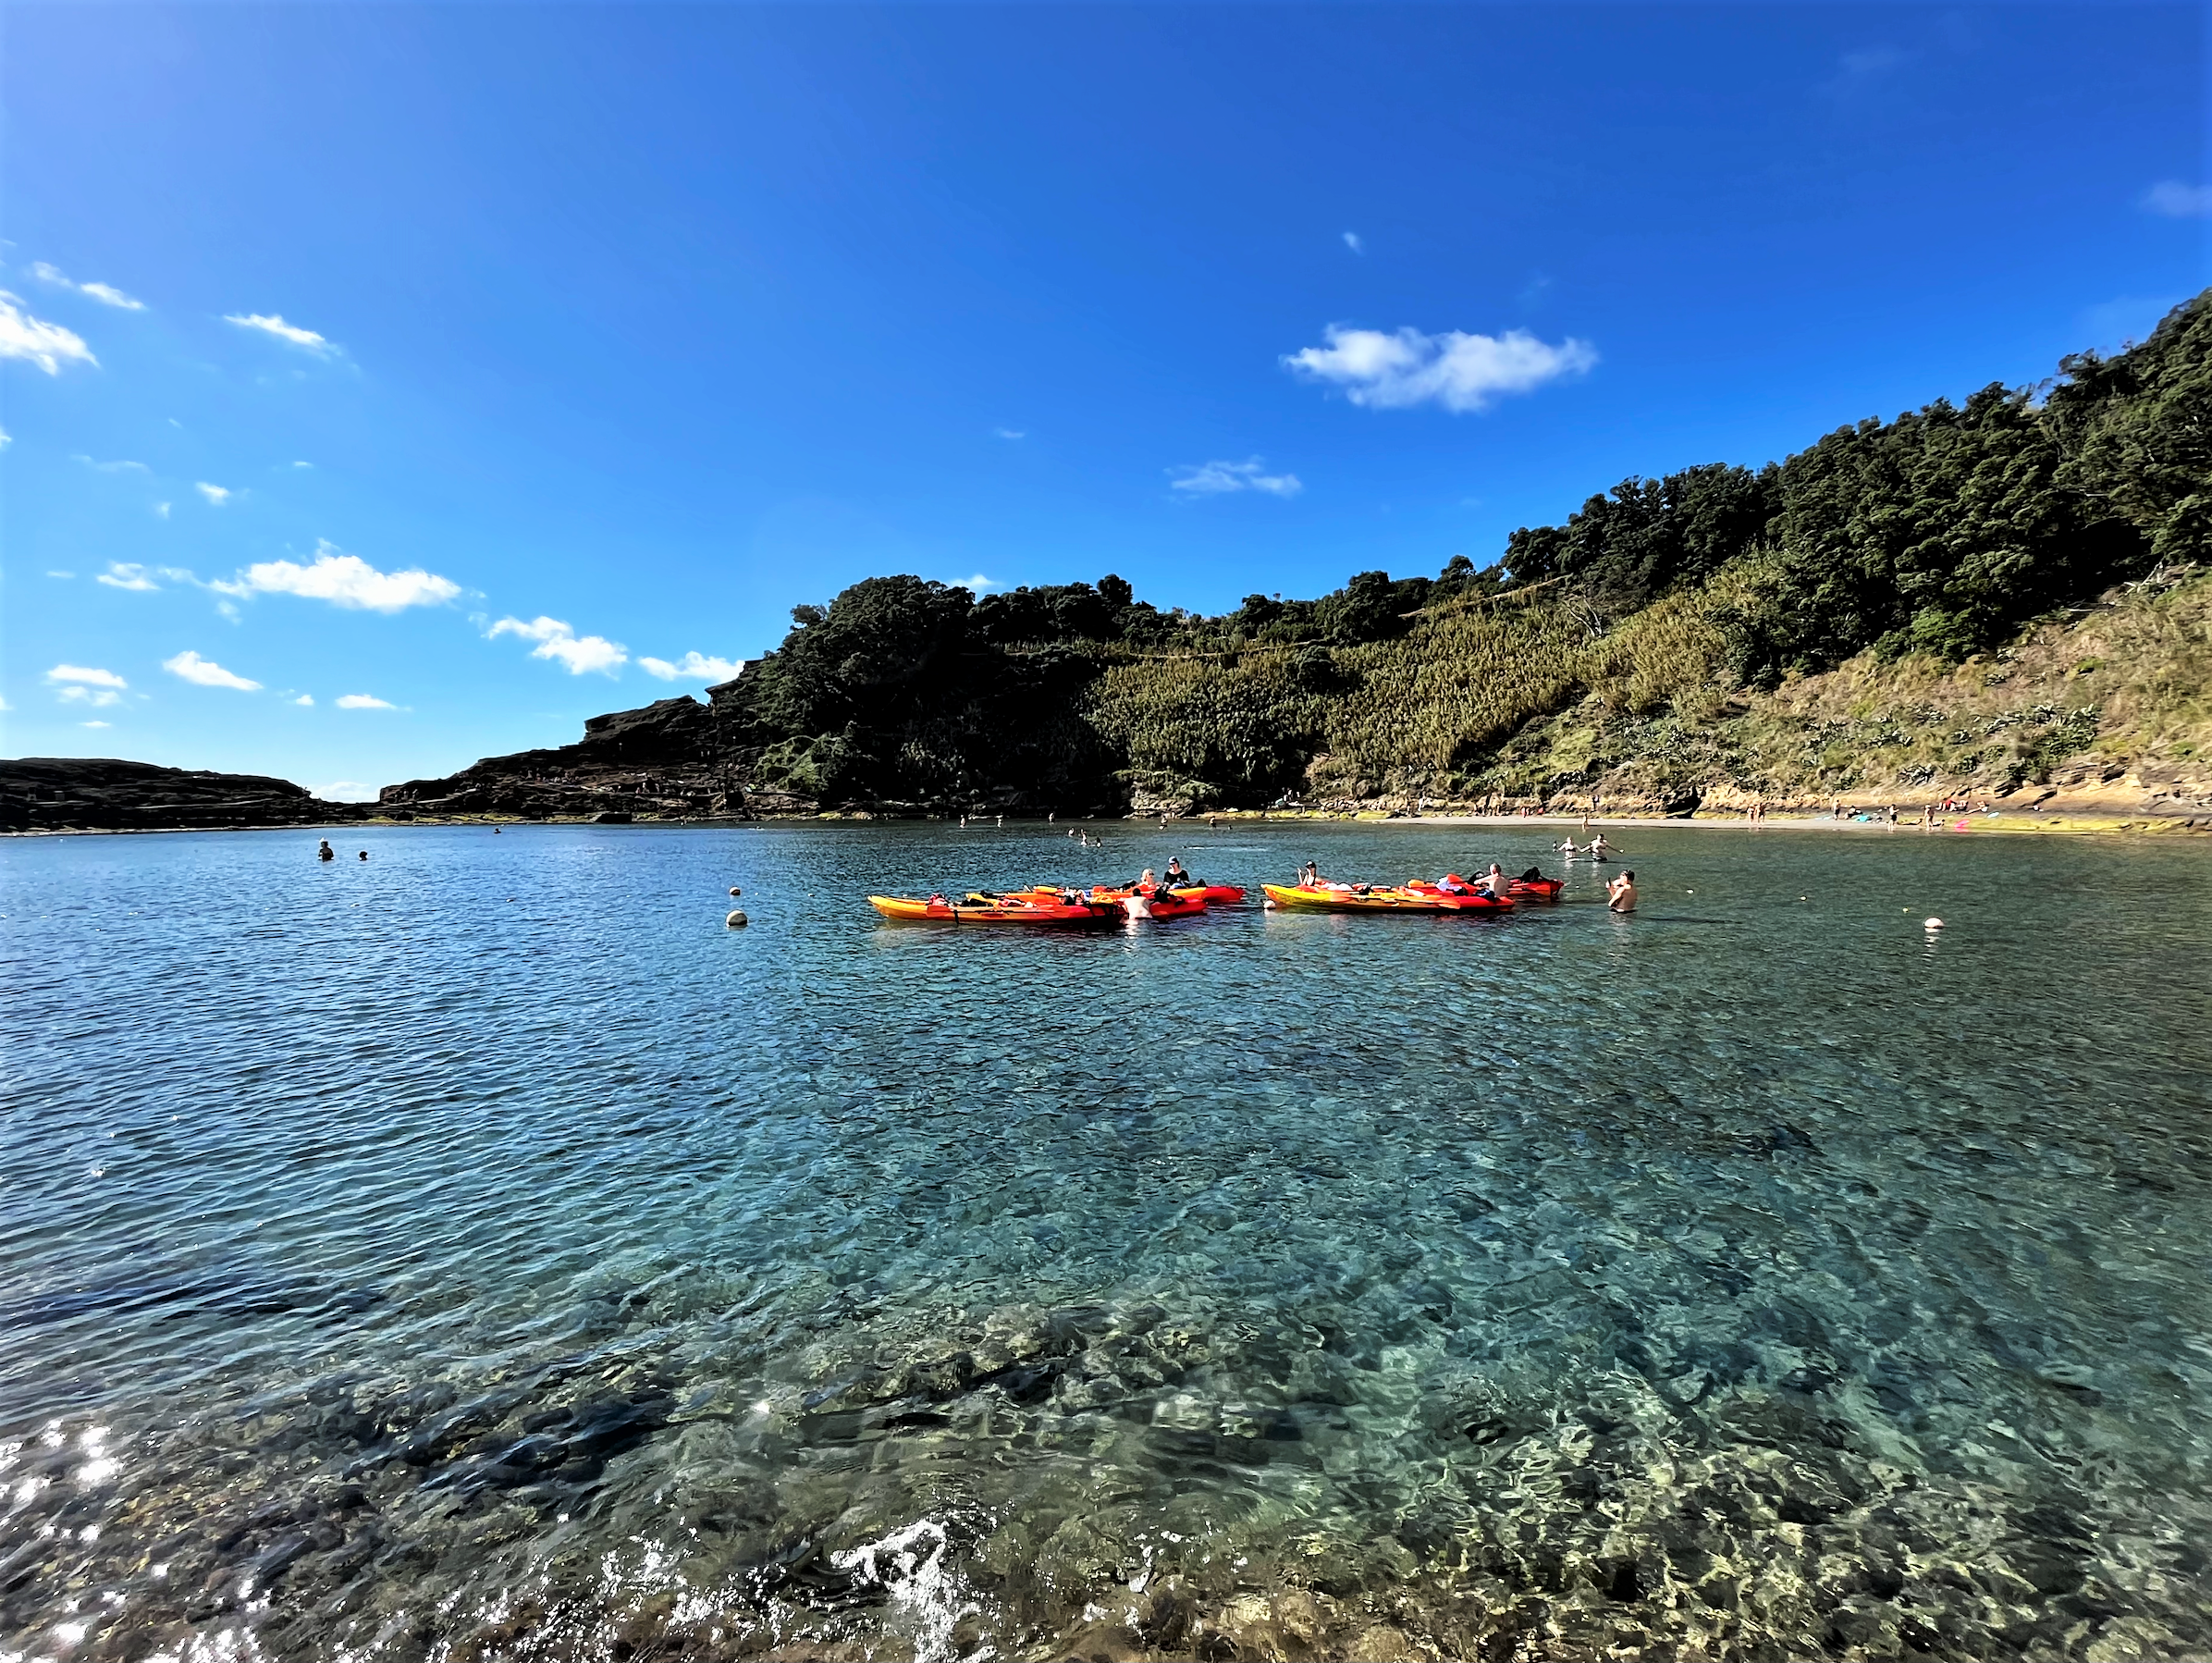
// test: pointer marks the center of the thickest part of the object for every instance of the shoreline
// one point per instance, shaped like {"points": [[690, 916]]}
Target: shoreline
{"points": [[2010, 824]]}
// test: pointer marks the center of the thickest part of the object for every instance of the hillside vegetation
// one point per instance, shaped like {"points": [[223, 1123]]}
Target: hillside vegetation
{"points": [[2004, 593]]}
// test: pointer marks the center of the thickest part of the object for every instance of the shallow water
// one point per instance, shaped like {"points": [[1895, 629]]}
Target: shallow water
{"points": [[482, 1253]]}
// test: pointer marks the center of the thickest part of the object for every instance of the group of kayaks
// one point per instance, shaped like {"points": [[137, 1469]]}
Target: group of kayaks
{"points": [[1050, 904]]}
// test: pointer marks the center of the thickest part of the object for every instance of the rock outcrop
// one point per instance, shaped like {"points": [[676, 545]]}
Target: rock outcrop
{"points": [[106, 793], [671, 760]]}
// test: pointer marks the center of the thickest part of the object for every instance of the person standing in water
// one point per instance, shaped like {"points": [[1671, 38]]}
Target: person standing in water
{"points": [[1623, 892], [324, 851]]}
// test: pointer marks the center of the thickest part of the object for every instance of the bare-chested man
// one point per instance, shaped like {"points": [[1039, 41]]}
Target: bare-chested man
{"points": [[1623, 892]]}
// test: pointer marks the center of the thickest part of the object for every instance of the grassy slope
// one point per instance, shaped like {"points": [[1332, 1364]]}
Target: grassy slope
{"points": [[2107, 708]]}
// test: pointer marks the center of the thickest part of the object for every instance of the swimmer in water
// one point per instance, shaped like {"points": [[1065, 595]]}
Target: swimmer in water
{"points": [[1623, 892], [324, 851]]}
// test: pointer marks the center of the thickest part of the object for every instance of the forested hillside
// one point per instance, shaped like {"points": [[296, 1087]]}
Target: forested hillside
{"points": [[1678, 639]]}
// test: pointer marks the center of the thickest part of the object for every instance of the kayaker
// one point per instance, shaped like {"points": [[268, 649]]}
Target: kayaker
{"points": [[1623, 892], [1496, 884], [1146, 884], [1310, 875], [1176, 877]]}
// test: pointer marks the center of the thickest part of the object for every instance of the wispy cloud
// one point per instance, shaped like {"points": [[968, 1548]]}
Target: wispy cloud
{"points": [[206, 673], [85, 684], [557, 641], [305, 698], [96, 724], [976, 583], [690, 667], [36, 341], [1216, 478], [2179, 201], [363, 701], [271, 323], [107, 294], [85, 676], [344, 580], [1011, 431], [1351, 241], [112, 467], [216, 495], [161, 511], [6, 439], [1458, 370], [130, 575]]}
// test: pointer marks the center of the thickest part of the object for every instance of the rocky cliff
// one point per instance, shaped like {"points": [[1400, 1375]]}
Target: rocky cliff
{"points": [[106, 793]]}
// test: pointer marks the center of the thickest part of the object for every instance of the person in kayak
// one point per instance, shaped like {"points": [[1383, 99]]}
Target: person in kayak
{"points": [[1177, 877], [1496, 884], [1310, 875], [1623, 892], [1146, 884]]}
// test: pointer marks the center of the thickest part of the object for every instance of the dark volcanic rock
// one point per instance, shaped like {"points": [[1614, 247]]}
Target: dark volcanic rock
{"points": [[56, 793]]}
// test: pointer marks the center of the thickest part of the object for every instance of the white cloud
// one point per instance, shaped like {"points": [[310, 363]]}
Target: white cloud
{"points": [[1351, 241], [6, 439], [303, 464], [206, 673], [976, 583], [272, 324], [2179, 201], [557, 641], [45, 344], [1011, 431], [161, 511], [105, 293], [127, 575], [1214, 478], [113, 467], [305, 698], [4, 705], [364, 701], [344, 580], [96, 724], [1459, 371], [61, 575], [216, 495], [98, 697], [86, 676], [690, 667], [345, 791]]}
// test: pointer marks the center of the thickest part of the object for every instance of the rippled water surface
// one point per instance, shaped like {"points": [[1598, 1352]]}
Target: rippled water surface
{"points": [[480, 1252]]}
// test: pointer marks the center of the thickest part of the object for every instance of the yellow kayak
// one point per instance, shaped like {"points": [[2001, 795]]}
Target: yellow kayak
{"points": [[1377, 898]]}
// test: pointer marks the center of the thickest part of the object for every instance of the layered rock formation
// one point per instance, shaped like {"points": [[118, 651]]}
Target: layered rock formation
{"points": [[671, 760], [106, 793]]}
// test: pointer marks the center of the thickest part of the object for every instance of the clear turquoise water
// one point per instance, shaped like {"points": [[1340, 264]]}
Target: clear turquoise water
{"points": [[482, 1252]]}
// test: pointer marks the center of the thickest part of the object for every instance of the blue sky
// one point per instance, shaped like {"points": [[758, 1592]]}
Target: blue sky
{"points": [[481, 362]]}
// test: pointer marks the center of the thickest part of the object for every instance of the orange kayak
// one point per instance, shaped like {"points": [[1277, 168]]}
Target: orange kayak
{"points": [[1377, 898], [1007, 909], [1212, 894]]}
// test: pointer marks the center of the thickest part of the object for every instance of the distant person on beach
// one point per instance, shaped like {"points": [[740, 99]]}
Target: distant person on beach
{"points": [[324, 851], [1623, 892]]}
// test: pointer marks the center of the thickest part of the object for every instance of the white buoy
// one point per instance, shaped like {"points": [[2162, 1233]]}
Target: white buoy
{"points": [[1933, 924], [736, 921]]}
